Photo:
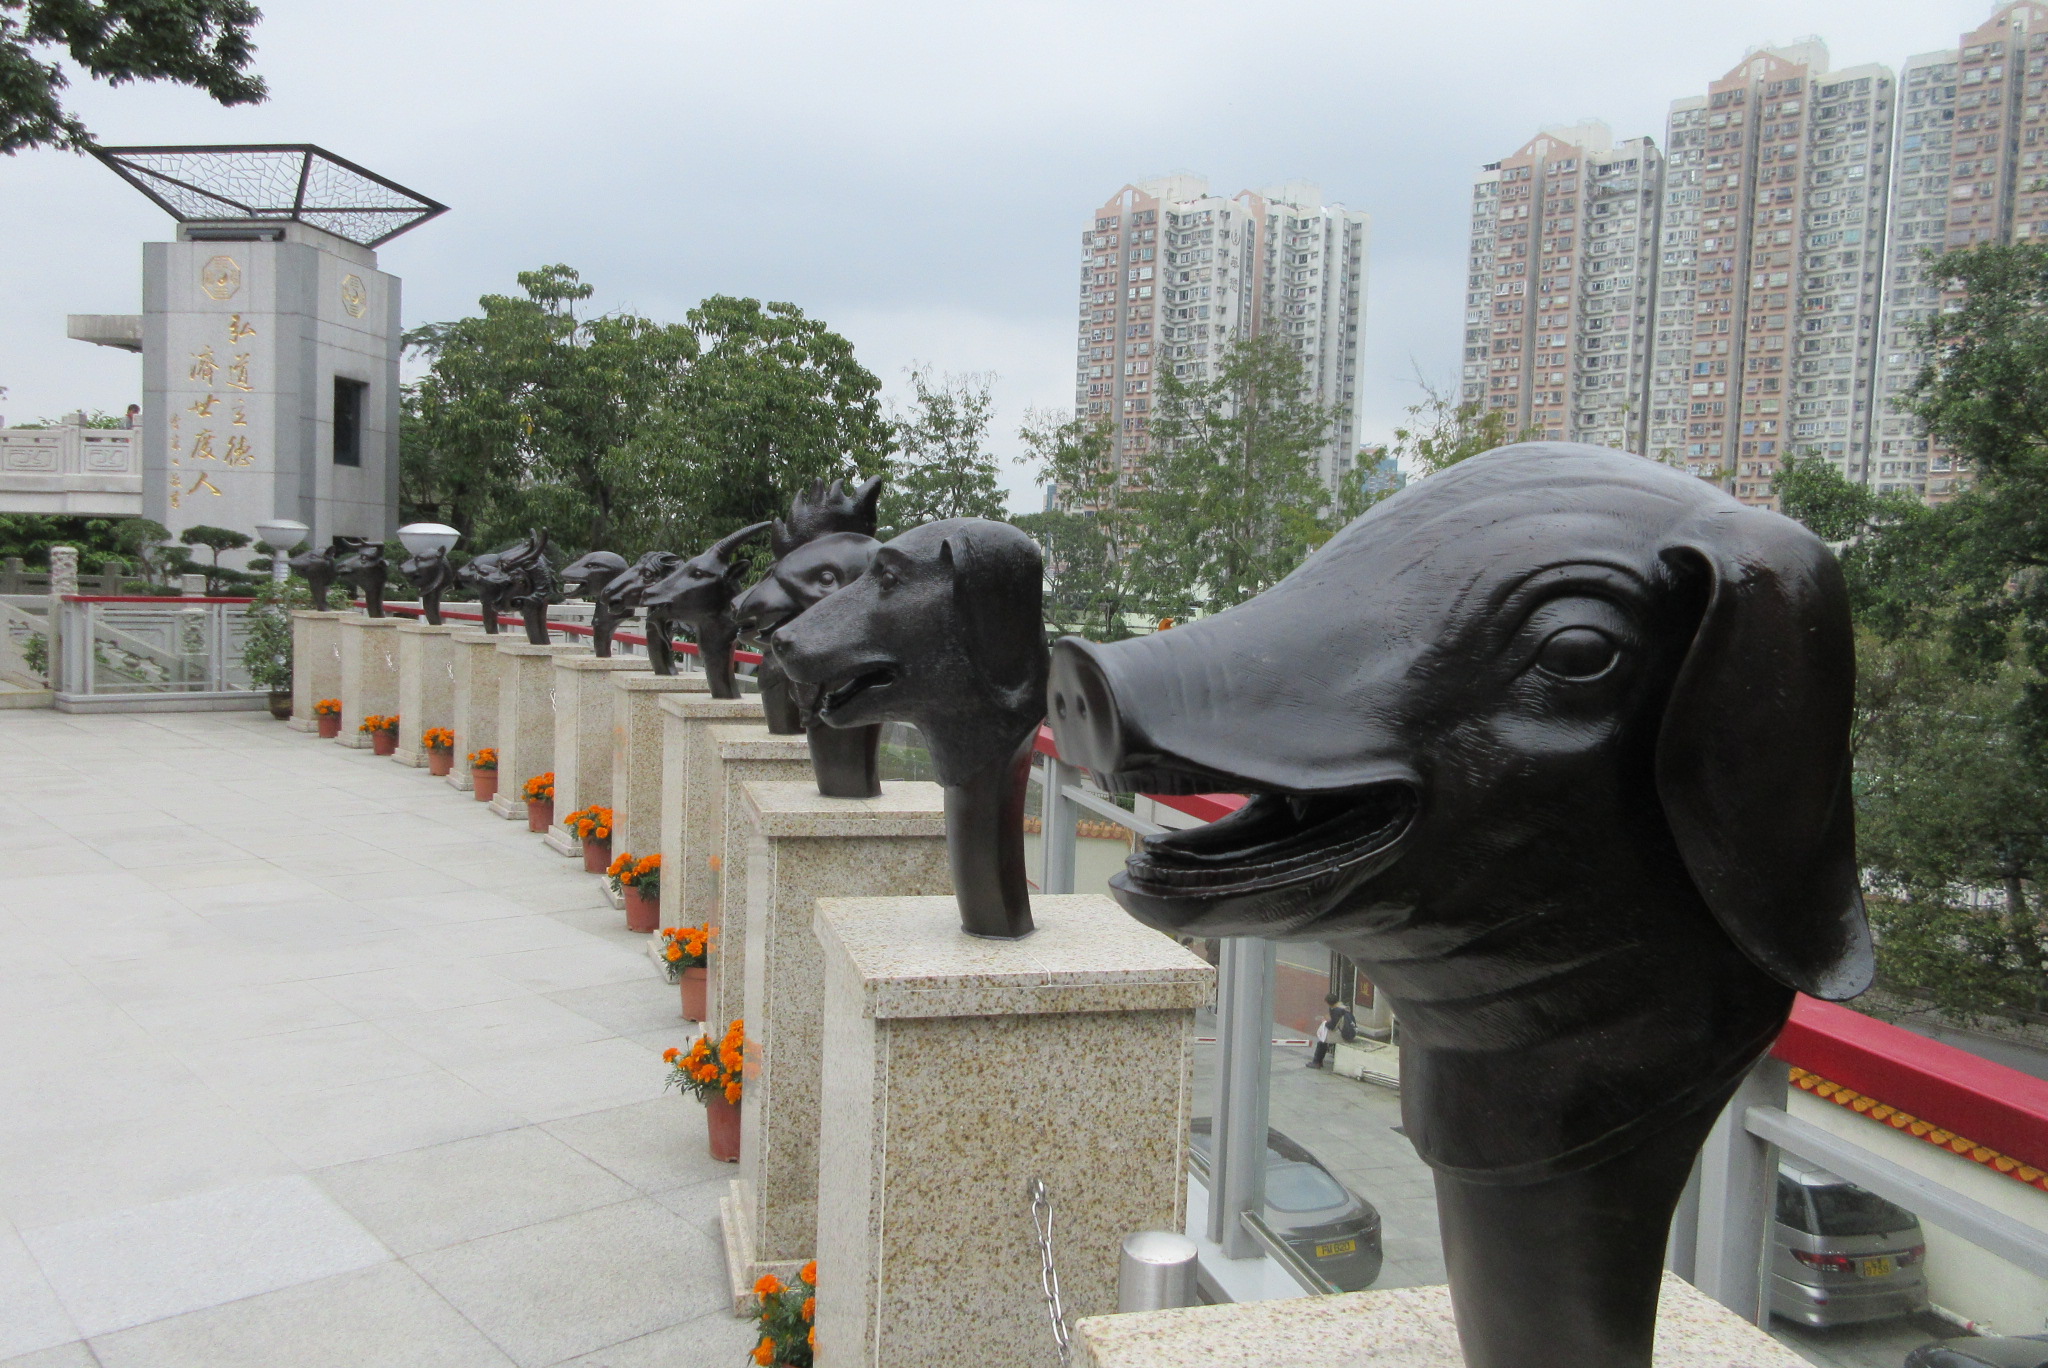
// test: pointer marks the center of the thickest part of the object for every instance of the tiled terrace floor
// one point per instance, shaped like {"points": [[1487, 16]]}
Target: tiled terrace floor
{"points": [[308, 1061]]}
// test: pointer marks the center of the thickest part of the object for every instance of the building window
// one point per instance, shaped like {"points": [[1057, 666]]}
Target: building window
{"points": [[348, 420]]}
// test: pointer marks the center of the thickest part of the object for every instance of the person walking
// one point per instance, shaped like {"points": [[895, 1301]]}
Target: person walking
{"points": [[1337, 1022]]}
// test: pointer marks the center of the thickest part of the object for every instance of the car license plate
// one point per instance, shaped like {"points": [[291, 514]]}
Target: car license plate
{"points": [[1331, 1251], [1879, 1267]]}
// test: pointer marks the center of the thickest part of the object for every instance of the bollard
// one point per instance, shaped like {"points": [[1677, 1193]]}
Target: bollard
{"points": [[1156, 1272]]}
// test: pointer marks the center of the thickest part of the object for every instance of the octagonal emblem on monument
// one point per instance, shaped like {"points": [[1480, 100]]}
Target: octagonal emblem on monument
{"points": [[355, 297], [221, 277]]}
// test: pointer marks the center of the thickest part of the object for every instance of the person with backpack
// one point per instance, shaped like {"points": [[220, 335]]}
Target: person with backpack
{"points": [[1339, 1022]]}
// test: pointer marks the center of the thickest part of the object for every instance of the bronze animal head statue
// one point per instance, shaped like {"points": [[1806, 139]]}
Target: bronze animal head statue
{"points": [[698, 594], [316, 567], [431, 576], [359, 562], [945, 630], [489, 583], [530, 584], [1555, 745], [590, 575]]}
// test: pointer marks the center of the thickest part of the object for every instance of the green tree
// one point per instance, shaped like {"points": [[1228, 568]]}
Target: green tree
{"points": [[1092, 541], [943, 467], [1440, 431], [530, 416], [217, 540], [200, 43], [1232, 501], [31, 535]]}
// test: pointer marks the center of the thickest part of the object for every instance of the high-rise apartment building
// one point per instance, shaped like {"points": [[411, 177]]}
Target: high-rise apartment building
{"points": [[1558, 286], [1171, 274]]}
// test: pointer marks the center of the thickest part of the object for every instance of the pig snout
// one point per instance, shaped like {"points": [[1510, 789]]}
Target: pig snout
{"points": [[1082, 707]]}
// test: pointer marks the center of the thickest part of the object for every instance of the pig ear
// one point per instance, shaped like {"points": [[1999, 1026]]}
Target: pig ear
{"points": [[998, 601], [1753, 755]]}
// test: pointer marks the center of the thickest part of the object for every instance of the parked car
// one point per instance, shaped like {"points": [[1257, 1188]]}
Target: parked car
{"points": [[1333, 1229], [1989, 1351], [1840, 1254]]}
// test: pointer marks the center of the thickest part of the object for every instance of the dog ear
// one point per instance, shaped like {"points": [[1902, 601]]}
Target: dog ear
{"points": [[1753, 754], [990, 583]]}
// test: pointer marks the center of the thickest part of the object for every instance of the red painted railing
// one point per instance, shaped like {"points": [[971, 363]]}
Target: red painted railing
{"points": [[513, 621]]}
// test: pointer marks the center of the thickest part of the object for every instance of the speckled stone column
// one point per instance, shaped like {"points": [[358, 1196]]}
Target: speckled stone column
{"points": [[583, 738], [316, 664], [637, 748], [426, 687], [802, 847], [690, 801], [746, 755], [956, 1069], [526, 720], [474, 653], [1408, 1327], [369, 673]]}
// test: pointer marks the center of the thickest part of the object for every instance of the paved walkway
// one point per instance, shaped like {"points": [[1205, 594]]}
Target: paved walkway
{"points": [[308, 1061]]}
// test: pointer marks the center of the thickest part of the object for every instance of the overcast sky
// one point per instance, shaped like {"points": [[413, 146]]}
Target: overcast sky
{"points": [[915, 174]]}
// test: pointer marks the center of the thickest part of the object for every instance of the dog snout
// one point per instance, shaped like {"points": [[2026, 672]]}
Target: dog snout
{"points": [[1082, 708]]}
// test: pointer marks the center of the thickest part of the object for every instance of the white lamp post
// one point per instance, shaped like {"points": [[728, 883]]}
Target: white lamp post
{"points": [[281, 535], [423, 539]]}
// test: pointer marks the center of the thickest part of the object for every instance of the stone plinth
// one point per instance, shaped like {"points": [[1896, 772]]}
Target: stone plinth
{"points": [[747, 755], [526, 720], [316, 664], [369, 673], [1407, 1328], [956, 1069], [802, 847], [690, 796], [426, 687], [474, 698], [637, 766], [583, 737]]}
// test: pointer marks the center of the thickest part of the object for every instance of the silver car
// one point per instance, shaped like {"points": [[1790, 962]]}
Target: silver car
{"points": [[1839, 1254]]}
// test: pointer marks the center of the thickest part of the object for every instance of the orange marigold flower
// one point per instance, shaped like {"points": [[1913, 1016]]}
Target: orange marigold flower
{"points": [[810, 1308], [674, 952], [669, 1055], [809, 1273], [767, 1285], [732, 1092], [812, 1339], [764, 1352]]}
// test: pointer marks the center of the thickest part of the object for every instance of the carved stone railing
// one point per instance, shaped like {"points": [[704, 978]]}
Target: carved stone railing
{"points": [[71, 469]]}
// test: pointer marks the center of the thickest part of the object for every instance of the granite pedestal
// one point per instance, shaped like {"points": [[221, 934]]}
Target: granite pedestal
{"points": [[526, 720], [637, 766], [1409, 1327], [957, 1069], [474, 695], [316, 664], [802, 847], [692, 801], [583, 738], [369, 673], [746, 754], [426, 687]]}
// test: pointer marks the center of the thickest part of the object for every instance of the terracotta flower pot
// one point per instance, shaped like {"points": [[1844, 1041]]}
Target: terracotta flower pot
{"points": [[643, 910], [384, 743], [439, 762], [485, 784], [281, 704], [540, 816], [692, 981], [722, 1119], [597, 856], [330, 726]]}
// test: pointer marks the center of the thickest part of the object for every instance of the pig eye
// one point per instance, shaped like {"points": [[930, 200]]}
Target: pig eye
{"points": [[885, 578], [1577, 653], [827, 577]]}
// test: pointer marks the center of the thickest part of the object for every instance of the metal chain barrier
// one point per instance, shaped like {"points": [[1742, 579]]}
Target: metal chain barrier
{"points": [[1048, 1277]]}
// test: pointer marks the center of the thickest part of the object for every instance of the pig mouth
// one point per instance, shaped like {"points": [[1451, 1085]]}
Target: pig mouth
{"points": [[1281, 857], [840, 697]]}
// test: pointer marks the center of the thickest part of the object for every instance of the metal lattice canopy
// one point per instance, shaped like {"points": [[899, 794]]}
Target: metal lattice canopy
{"points": [[272, 181]]}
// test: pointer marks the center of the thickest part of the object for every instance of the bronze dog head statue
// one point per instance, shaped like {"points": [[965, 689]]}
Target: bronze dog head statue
{"points": [[1555, 745], [945, 630]]}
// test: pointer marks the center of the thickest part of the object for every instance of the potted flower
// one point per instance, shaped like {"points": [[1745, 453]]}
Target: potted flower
{"points": [[540, 801], [483, 773], [638, 882], [593, 827], [383, 732], [327, 715], [684, 955], [789, 1335], [711, 1074], [440, 744]]}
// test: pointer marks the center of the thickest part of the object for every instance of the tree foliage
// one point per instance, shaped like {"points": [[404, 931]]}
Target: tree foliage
{"points": [[204, 44], [943, 467], [1094, 564]]}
